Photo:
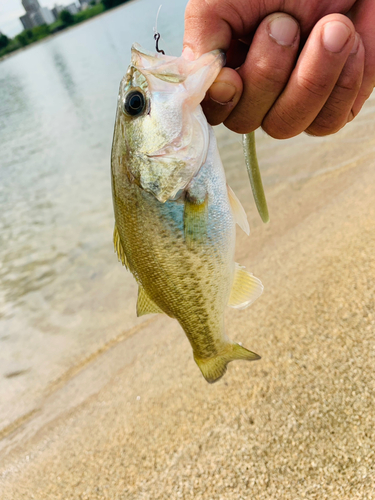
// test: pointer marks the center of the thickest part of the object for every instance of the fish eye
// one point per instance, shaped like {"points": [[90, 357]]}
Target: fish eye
{"points": [[134, 103]]}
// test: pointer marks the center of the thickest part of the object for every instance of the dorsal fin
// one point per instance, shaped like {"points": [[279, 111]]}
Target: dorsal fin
{"points": [[145, 305], [239, 213], [118, 248], [245, 290]]}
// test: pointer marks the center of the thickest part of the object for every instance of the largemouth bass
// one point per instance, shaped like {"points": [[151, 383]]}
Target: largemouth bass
{"points": [[174, 213]]}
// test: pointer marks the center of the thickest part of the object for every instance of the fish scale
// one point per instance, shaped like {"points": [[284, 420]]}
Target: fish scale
{"points": [[174, 216]]}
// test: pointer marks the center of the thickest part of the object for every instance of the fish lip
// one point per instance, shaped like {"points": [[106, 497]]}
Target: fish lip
{"points": [[138, 48]]}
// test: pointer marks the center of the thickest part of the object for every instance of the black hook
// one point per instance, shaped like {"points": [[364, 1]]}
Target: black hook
{"points": [[157, 38]]}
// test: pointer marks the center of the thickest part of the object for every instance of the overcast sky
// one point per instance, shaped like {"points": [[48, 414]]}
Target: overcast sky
{"points": [[11, 10]]}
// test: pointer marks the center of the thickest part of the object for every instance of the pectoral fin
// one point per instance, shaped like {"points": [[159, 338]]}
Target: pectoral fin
{"points": [[214, 368], [145, 305], [119, 249], [195, 222], [245, 290], [239, 213]]}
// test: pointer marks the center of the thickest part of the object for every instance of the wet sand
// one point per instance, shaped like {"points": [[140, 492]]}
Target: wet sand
{"points": [[137, 420]]}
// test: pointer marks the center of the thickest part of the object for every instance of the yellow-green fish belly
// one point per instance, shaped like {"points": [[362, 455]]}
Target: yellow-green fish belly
{"points": [[188, 277]]}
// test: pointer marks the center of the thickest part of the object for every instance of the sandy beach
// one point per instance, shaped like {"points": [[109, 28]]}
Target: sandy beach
{"points": [[137, 420]]}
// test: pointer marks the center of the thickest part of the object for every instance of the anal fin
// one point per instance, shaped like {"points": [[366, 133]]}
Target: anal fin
{"points": [[145, 305], [245, 290]]}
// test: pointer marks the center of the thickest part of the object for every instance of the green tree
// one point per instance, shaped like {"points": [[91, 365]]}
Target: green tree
{"points": [[66, 17], [4, 40], [40, 32], [22, 39], [108, 4], [28, 34]]}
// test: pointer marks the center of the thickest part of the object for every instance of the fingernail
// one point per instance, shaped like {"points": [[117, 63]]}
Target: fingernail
{"points": [[335, 36], [221, 92], [188, 54], [356, 44], [284, 30]]}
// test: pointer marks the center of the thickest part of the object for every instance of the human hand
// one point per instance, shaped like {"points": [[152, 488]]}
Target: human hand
{"points": [[317, 90]]}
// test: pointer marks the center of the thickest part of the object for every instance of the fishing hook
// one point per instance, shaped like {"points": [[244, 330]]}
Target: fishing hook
{"points": [[157, 38]]}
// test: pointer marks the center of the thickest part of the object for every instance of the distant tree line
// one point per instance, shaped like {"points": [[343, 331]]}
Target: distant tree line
{"points": [[108, 4], [4, 41], [65, 20]]}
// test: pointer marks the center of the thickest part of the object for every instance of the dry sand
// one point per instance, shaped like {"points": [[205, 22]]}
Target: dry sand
{"points": [[138, 421]]}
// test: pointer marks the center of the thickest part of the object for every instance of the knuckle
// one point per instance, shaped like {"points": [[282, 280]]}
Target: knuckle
{"points": [[338, 104], [215, 114], [280, 124], [315, 87], [269, 78], [363, 95], [242, 121], [333, 115], [331, 118], [240, 126], [323, 126], [366, 93], [348, 83]]}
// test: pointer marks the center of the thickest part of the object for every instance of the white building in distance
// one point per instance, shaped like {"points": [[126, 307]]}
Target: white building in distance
{"points": [[35, 15]]}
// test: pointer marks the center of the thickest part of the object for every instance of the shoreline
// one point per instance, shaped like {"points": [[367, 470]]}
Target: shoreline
{"points": [[62, 32]]}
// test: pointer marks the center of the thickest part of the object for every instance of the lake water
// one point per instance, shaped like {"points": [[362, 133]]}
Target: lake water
{"points": [[63, 294], [64, 298]]}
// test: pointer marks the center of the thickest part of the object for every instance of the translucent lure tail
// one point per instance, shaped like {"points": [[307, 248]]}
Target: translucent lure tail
{"points": [[248, 141], [214, 368]]}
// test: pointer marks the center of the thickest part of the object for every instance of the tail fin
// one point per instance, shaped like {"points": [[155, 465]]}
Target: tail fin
{"points": [[214, 368]]}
